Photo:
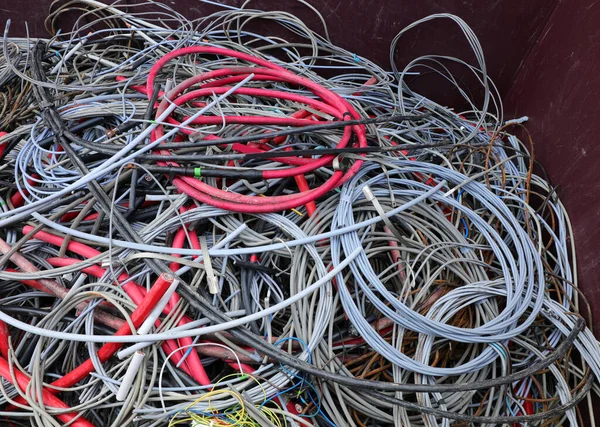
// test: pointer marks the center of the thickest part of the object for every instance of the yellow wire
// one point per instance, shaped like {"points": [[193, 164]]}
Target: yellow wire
{"points": [[240, 417], [245, 375]]}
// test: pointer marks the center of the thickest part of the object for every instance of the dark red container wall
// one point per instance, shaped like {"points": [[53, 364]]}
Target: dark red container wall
{"points": [[507, 29], [544, 56], [558, 86]]}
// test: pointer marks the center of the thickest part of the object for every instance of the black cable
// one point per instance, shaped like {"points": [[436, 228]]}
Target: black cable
{"points": [[495, 420], [47, 142], [262, 347], [298, 131], [109, 151]]}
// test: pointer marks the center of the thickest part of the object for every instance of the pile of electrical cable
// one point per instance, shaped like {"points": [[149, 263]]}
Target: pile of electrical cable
{"points": [[198, 228]]}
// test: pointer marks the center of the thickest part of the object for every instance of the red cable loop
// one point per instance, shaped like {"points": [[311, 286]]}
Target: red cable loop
{"points": [[329, 103]]}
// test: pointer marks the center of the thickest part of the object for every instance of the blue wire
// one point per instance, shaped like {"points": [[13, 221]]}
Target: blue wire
{"points": [[303, 380], [320, 411], [300, 341], [297, 385]]}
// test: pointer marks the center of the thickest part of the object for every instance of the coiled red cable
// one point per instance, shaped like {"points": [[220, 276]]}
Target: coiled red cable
{"points": [[328, 102]]}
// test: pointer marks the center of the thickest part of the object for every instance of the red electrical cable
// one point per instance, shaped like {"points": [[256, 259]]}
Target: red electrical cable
{"points": [[331, 103], [22, 381], [49, 286], [2, 145], [18, 198], [138, 316], [338, 111], [193, 365], [4, 337]]}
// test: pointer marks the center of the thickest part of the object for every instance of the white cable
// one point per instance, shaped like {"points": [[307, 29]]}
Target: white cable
{"points": [[132, 370]]}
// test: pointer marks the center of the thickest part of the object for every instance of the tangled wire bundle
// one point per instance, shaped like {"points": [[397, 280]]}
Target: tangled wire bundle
{"points": [[199, 228]]}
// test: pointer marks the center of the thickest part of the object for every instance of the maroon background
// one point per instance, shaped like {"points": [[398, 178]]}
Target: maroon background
{"points": [[507, 29], [544, 56], [558, 87]]}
